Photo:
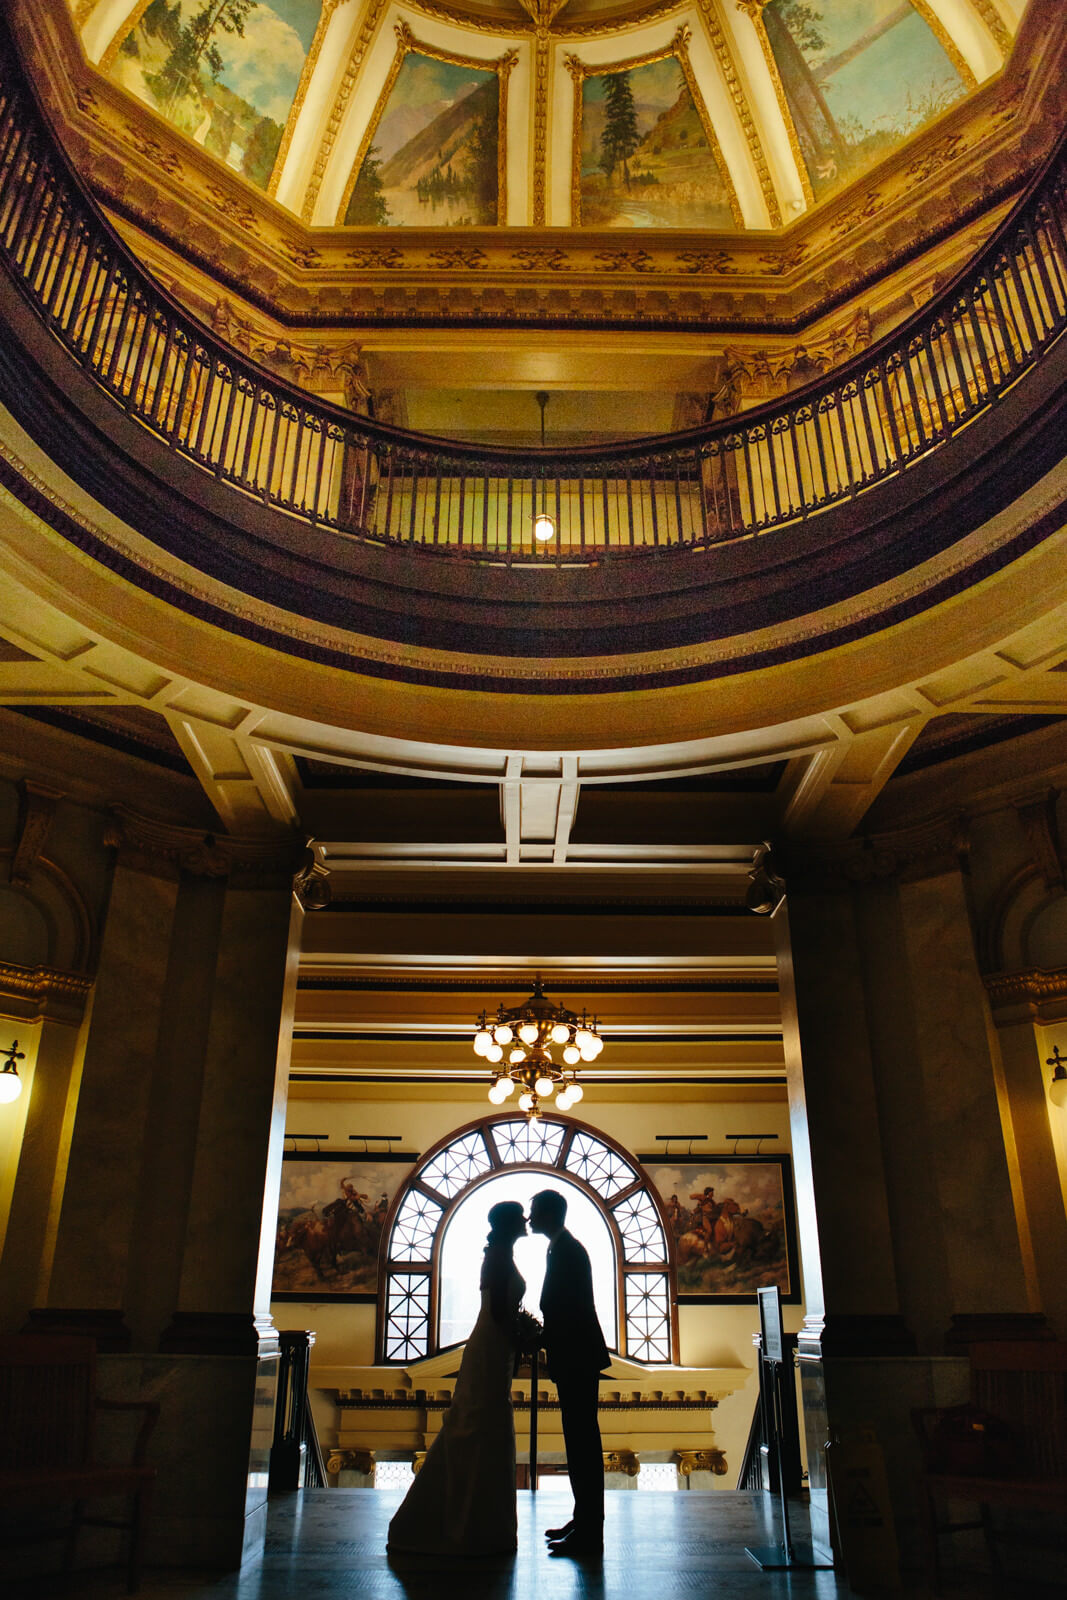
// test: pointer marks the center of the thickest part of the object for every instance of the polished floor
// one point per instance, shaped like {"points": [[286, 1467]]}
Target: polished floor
{"points": [[329, 1544]]}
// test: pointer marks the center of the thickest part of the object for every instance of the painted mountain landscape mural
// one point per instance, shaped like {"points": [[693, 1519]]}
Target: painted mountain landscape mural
{"points": [[225, 72], [860, 77], [645, 157], [433, 159]]}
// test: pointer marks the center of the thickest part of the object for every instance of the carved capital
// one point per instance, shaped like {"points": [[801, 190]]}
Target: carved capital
{"points": [[417, 1461], [37, 804], [626, 1461], [710, 1460], [350, 1461], [165, 850]]}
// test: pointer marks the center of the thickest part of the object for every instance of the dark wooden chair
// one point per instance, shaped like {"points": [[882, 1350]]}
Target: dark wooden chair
{"points": [[1007, 1448], [48, 1408]]}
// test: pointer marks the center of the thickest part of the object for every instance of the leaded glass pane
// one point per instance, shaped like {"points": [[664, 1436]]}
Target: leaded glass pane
{"points": [[452, 1169], [529, 1141], [639, 1224], [407, 1316], [602, 1169], [648, 1316], [415, 1227]]}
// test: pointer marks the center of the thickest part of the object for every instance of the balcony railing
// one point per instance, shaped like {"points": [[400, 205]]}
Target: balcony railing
{"points": [[864, 423]]}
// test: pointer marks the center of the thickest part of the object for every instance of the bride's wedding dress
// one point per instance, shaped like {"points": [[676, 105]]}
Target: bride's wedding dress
{"points": [[462, 1502]]}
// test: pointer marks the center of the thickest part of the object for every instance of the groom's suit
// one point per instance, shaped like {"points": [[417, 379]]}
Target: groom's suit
{"points": [[577, 1354]]}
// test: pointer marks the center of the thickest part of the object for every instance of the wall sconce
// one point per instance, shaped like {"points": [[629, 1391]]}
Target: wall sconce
{"points": [[10, 1082], [1057, 1089]]}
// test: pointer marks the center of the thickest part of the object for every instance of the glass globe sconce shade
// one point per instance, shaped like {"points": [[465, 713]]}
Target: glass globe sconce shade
{"points": [[10, 1085], [544, 529]]}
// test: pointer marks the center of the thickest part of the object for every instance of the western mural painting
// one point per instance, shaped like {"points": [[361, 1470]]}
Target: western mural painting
{"points": [[225, 72], [732, 1221], [432, 161], [331, 1213], [645, 157], [860, 76]]}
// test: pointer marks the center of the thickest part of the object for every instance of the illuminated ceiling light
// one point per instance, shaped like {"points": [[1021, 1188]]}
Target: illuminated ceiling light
{"points": [[529, 1029]]}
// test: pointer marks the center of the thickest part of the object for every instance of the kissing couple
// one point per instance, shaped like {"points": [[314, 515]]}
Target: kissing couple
{"points": [[463, 1501]]}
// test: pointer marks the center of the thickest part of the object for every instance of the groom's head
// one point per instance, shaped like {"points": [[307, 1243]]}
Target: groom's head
{"points": [[548, 1210]]}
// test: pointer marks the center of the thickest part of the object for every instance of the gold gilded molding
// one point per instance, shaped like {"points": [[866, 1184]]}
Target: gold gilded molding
{"points": [[311, 61], [993, 20], [367, 29], [724, 56], [710, 1460], [82, 11], [39, 985], [626, 1461], [1033, 988], [677, 47], [406, 42], [542, 74], [133, 17], [946, 41], [753, 10]]}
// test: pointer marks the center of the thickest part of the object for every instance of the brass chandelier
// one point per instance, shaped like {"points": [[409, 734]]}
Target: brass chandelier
{"points": [[519, 1037]]}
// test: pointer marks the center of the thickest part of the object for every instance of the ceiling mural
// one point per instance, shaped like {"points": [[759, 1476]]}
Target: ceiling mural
{"points": [[709, 115], [433, 155], [860, 76], [223, 72], [645, 153]]}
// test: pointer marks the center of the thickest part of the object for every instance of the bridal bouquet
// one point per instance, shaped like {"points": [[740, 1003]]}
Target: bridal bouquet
{"points": [[528, 1333]]}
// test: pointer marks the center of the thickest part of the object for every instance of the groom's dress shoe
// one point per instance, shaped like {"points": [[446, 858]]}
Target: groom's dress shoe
{"points": [[578, 1547], [560, 1533]]}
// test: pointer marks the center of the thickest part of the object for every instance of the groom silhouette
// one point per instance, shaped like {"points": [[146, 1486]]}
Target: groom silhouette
{"points": [[577, 1354]]}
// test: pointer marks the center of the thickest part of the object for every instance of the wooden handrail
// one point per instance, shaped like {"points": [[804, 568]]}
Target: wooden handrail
{"points": [[870, 419]]}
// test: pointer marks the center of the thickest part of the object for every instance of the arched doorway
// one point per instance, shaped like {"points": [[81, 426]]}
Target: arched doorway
{"points": [[554, 1151]]}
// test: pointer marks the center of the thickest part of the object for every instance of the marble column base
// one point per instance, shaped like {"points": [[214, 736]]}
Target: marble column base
{"points": [[843, 1396], [107, 1328], [991, 1327], [211, 1448]]}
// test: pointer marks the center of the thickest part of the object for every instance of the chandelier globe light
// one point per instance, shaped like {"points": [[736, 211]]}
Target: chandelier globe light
{"points": [[522, 1034]]}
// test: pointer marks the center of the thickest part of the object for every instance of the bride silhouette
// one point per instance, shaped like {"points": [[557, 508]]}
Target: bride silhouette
{"points": [[462, 1503]]}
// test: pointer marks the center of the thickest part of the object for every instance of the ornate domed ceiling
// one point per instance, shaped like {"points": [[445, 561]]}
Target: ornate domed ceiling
{"points": [[654, 211], [705, 114]]}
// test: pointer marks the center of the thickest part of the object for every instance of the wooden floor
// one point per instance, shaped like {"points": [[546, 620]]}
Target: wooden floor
{"points": [[329, 1544]]}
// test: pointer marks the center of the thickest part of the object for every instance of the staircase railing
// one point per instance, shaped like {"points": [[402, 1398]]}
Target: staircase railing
{"points": [[873, 417], [296, 1460]]}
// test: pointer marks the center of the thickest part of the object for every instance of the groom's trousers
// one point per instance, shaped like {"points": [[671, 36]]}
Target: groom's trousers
{"points": [[579, 1395]]}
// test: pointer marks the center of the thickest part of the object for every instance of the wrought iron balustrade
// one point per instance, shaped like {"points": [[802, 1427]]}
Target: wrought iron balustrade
{"points": [[760, 470]]}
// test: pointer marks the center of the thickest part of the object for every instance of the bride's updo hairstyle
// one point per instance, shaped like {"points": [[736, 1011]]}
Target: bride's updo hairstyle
{"points": [[506, 1221]]}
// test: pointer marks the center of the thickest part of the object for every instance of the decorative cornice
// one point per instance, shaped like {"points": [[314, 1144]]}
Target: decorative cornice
{"points": [[1031, 991], [166, 849], [44, 988], [924, 851]]}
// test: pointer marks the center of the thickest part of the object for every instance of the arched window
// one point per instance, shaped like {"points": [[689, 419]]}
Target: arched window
{"points": [[629, 1242]]}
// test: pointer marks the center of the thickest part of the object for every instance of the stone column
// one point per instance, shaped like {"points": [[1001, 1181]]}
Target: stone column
{"points": [[167, 1226], [975, 1205], [89, 1283], [220, 1346]]}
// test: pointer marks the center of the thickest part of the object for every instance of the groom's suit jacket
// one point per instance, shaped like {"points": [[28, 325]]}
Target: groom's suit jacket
{"points": [[573, 1339]]}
